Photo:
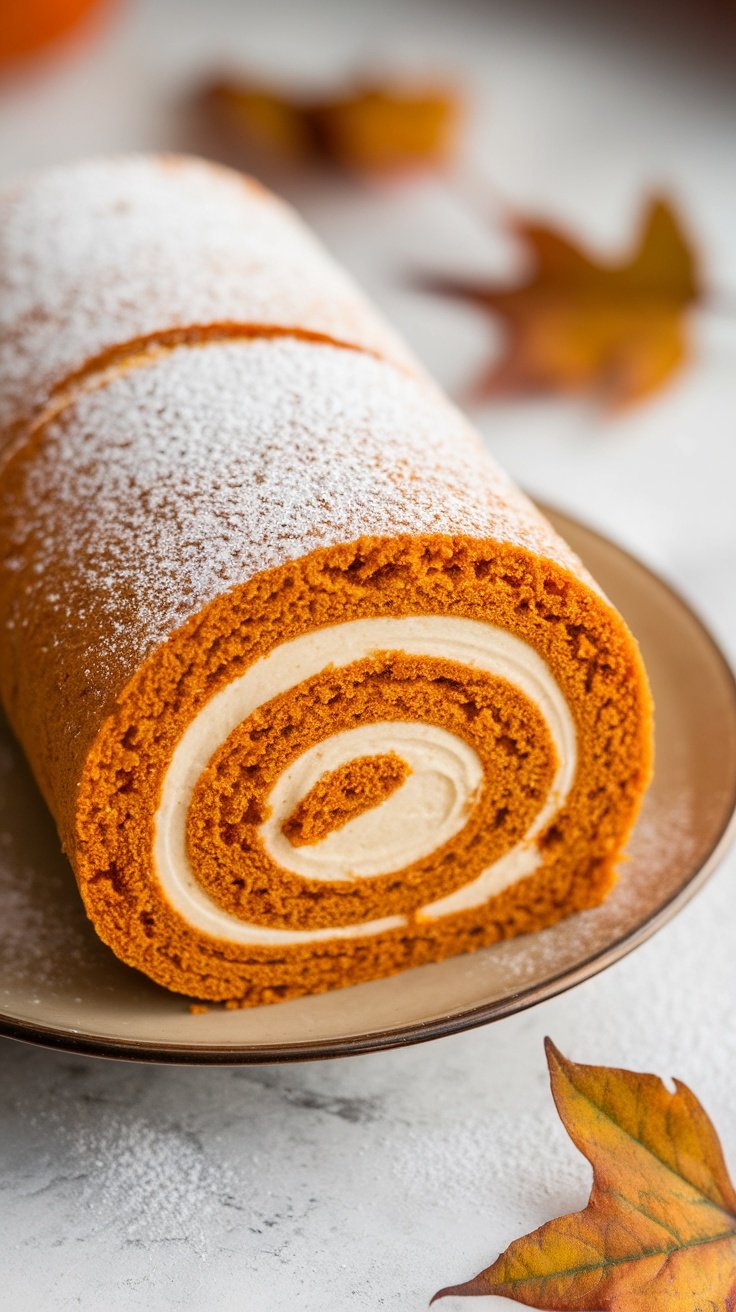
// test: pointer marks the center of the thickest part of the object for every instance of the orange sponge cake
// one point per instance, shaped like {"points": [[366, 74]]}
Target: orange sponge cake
{"points": [[313, 692]]}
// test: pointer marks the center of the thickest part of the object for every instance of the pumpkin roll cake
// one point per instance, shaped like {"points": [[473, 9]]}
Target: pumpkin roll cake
{"points": [[313, 692]]}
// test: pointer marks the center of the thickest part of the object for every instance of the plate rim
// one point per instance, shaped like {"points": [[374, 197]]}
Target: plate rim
{"points": [[55, 1038]]}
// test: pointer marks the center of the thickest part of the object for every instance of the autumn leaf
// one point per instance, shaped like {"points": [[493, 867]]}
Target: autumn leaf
{"points": [[374, 127], [659, 1231], [576, 321]]}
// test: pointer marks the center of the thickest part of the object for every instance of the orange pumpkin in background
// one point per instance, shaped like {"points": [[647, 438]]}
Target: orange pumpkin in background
{"points": [[28, 25]]}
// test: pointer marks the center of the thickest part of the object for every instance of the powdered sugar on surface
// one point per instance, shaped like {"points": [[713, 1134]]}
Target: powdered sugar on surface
{"points": [[149, 1182], [662, 851], [155, 1180], [47, 945], [100, 253]]}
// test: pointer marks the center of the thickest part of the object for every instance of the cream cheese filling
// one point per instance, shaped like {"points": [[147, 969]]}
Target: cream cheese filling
{"points": [[426, 811]]}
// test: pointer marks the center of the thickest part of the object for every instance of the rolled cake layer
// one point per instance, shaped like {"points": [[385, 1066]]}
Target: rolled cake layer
{"points": [[104, 256], [312, 690]]}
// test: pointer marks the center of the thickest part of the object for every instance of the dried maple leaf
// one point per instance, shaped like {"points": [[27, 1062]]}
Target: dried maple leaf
{"points": [[261, 117], [372, 128], [659, 1231], [576, 321], [387, 128]]}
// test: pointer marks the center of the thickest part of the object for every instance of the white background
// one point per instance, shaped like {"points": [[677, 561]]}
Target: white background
{"points": [[368, 1183]]}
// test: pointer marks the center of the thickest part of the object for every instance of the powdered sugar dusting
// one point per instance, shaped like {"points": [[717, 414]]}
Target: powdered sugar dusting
{"points": [[106, 251], [665, 845], [153, 1179], [451, 1158], [179, 472], [46, 944], [174, 482], [133, 1171]]}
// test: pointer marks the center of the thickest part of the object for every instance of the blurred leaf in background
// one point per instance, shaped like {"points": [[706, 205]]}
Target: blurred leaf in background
{"points": [[374, 127], [576, 322]]}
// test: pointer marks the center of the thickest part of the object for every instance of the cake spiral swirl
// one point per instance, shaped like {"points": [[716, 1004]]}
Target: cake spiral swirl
{"points": [[523, 761]]}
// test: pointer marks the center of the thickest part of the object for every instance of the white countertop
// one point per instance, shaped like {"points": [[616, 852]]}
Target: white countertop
{"points": [[368, 1183]]}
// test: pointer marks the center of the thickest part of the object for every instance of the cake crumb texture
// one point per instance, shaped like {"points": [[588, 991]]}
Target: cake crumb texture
{"points": [[342, 794]]}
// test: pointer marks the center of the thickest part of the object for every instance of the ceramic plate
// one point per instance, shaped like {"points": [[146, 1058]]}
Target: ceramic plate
{"points": [[61, 987]]}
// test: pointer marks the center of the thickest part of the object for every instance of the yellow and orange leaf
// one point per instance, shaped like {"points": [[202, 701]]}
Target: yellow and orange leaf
{"points": [[576, 322], [659, 1231], [373, 128]]}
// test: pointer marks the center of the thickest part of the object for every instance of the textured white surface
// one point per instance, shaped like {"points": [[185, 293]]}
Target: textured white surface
{"points": [[367, 1184]]}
